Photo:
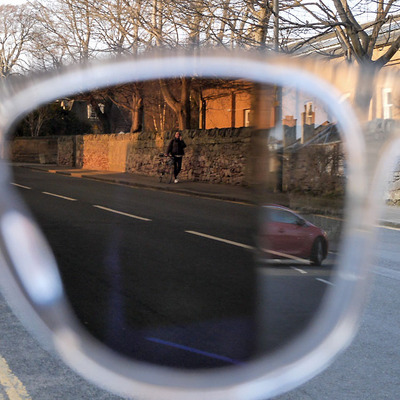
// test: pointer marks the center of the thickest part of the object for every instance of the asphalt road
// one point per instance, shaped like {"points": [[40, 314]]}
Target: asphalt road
{"points": [[370, 367], [179, 264], [135, 267]]}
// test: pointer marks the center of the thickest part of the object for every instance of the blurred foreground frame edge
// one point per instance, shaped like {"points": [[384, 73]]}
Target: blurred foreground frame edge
{"points": [[330, 331]]}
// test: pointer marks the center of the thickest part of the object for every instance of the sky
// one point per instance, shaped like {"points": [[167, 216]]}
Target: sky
{"points": [[13, 2]]}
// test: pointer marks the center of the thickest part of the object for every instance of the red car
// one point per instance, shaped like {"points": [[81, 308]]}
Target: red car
{"points": [[286, 235]]}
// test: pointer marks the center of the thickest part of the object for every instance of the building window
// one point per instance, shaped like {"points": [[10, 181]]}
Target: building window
{"points": [[91, 114], [387, 103], [246, 117]]}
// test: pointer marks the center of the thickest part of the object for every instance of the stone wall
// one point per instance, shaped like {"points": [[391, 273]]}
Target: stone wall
{"points": [[42, 150], [215, 155], [393, 192], [378, 133], [316, 169]]}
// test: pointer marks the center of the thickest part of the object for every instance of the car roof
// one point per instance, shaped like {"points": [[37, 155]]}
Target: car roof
{"points": [[278, 207], [282, 208]]}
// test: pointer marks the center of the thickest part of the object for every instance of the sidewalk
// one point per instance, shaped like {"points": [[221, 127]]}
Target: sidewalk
{"points": [[391, 217], [215, 191], [237, 193]]}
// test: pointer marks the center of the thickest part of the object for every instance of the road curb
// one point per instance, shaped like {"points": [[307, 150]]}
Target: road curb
{"points": [[214, 196]]}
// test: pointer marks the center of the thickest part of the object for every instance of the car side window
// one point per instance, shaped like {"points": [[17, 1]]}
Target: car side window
{"points": [[283, 216], [289, 218], [274, 215]]}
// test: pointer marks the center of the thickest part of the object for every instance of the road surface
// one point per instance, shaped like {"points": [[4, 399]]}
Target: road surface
{"points": [[182, 248]]}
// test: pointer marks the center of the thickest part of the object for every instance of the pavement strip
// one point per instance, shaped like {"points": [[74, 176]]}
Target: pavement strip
{"points": [[13, 387]]}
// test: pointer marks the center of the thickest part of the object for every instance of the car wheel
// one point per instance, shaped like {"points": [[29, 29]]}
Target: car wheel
{"points": [[317, 252]]}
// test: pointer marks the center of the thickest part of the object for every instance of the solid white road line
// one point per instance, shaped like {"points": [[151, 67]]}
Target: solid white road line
{"points": [[59, 196], [122, 213], [390, 228], [21, 186], [218, 239]]}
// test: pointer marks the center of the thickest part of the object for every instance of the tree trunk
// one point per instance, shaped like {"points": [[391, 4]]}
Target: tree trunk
{"points": [[365, 88], [136, 114], [180, 107]]}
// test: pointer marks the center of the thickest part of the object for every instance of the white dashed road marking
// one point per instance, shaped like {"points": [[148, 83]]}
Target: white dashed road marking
{"points": [[324, 281], [122, 213], [21, 186], [299, 270], [59, 196], [218, 239], [286, 256]]}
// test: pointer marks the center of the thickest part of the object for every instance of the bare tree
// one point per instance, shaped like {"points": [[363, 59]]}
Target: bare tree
{"points": [[242, 23], [356, 25], [121, 25], [79, 30], [36, 119], [71, 27], [350, 29], [130, 98], [16, 30]]}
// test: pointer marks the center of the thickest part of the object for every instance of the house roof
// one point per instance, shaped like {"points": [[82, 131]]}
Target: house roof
{"points": [[323, 134]]}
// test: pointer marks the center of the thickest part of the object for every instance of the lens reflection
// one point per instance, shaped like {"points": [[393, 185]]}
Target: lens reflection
{"points": [[300, 203], [225, 265]]}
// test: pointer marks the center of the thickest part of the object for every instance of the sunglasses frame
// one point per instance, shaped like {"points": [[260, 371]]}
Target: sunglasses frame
{"points": [[43, 300]]}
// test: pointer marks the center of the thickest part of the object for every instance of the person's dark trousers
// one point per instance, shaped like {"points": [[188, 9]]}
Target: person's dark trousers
{"points": [[177, 166]]}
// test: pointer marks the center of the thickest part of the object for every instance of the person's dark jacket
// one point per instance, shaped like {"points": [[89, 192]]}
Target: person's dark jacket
{"points": [[176, 147]]}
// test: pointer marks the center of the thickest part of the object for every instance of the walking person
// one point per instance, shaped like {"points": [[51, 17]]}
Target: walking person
{"points": [[176, 150]]}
